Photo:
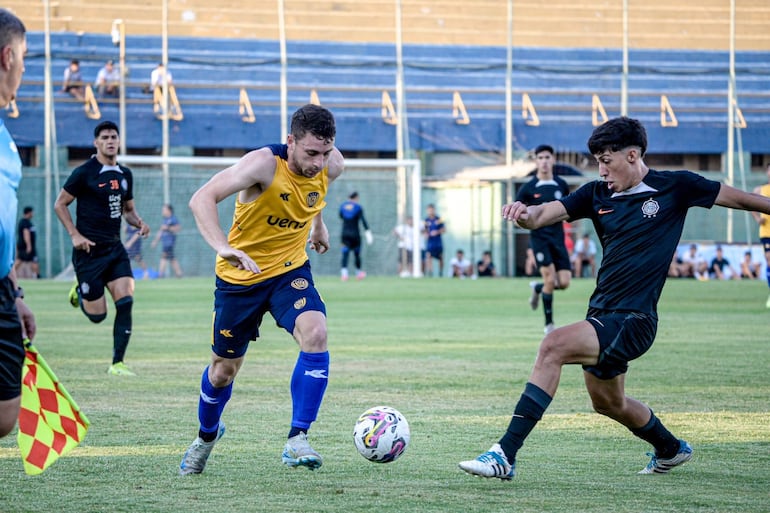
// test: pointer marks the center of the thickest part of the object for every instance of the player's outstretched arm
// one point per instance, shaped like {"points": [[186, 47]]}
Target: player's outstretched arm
{"points": [[250, 174], [535, 216], [731, 197]]}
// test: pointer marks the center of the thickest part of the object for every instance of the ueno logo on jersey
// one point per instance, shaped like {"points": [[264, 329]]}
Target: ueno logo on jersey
{"points": [[283, 222]]}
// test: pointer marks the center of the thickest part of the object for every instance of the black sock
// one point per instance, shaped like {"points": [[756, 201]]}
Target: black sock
{"points": [[538, 288], [529, 410], [548, 308], [666, 445], [294, 431], [121, 329], [208, 437]]}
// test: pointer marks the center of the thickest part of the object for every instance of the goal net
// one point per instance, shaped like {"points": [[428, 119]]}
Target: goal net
{"points": [[389, 192]]}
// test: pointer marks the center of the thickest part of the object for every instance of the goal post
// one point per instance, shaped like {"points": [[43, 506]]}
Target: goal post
{"points": [[389, 192]]}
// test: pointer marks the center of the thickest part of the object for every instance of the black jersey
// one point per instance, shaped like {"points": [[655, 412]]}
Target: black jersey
{"points": [[537, 192], [101, 191], [639, 230]]}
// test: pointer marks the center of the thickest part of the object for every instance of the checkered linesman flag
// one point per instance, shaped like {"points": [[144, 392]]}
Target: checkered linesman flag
{"points": [[50, 422]]}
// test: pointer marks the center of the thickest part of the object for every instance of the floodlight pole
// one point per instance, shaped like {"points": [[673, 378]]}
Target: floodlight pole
{"points": [[118, 33]]}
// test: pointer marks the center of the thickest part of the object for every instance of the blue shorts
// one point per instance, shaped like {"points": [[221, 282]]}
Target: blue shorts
{"points": [[623, 336], [239, 309]]}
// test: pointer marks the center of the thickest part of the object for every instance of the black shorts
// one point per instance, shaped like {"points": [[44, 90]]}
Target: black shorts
{"points": [[11, 343], [353, 243], [623, 336], [105, 263], [24, 256], [549, 252]]}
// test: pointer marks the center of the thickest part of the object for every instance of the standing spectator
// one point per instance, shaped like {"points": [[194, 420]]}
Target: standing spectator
{"points": [[547, 242], [262, 266], [405, 234], [169, 229], [104, 191], [749, 269], [584, 255], [461, 266], [485, 266], [433, 229], [352, 214], [73, 81], [764, 228], [160, 77], [16, 318], [721, 268], [644, 212], [26, 264], [133, 247], [108, 80], [694, 264]]}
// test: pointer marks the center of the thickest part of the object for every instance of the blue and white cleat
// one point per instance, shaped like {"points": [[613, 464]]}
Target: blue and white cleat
{"points": [[298, 453], [663, 466], [492, 463], [194, 459]]}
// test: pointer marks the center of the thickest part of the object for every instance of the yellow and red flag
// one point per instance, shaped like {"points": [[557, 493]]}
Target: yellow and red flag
{"points": [[50, 422]]}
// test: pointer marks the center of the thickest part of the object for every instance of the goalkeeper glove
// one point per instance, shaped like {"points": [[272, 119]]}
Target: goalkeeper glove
{"points": [[369, 237]]}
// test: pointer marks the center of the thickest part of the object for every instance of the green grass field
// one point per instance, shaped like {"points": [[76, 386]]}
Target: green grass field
{"points": [[453, 357]]}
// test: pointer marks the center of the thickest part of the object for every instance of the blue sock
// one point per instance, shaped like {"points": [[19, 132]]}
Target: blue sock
{"points": [[211, 403], [308, 384], [767, 275]]}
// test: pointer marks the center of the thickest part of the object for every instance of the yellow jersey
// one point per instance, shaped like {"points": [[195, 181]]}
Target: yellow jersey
{"points": [[273, 229], [764, 229]]}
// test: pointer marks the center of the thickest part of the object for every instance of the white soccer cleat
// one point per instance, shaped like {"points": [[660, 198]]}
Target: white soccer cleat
{"points": [[194, 459], [492, 463], [298, 453]]}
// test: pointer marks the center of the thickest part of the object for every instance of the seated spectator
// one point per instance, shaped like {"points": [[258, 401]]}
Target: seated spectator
{"points": [[675, 268], [73, 81], [694, 264], [461, 268], [160, 77], [485, 267], [750, 270], [584, 255], [108, 80], [721, 268]]}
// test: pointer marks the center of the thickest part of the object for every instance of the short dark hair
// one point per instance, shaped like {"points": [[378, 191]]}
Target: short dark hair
{"points": [[544, 147], [169, 207], [11, 28], [105, 125], [616, 134], [353, 195], [314, 119], [28, 209]]}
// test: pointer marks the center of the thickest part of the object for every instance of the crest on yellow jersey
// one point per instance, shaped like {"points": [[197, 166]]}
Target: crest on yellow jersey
{"points": [[312, 198]]}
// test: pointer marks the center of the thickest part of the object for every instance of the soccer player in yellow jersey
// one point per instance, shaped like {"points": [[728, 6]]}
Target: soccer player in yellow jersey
{"points": [[764, 229], [262, 266]]}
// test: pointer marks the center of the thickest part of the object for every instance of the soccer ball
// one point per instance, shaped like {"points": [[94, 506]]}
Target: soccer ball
{"points": [[381, 434]]}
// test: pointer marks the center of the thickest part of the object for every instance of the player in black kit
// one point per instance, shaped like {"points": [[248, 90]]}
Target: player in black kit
{"points": [[104, 193], [638, 214], [547, 243]]}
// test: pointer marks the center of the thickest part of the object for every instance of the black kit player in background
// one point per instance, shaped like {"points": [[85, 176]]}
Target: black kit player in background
{"points": [[104, 193], [638, 214], [547, 243]]}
